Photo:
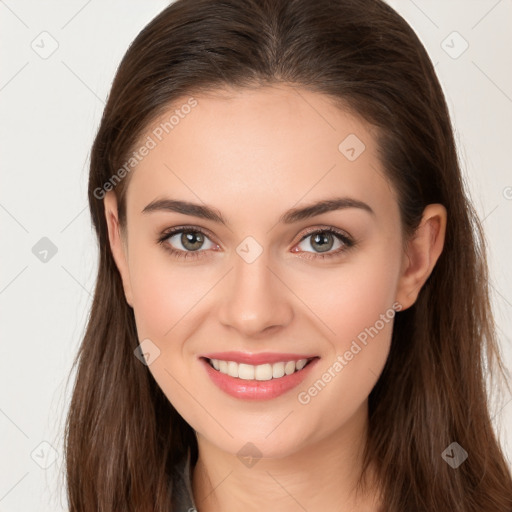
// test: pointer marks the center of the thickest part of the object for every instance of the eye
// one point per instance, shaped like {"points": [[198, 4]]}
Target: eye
{"points": [[188, 242], [323, 240]]}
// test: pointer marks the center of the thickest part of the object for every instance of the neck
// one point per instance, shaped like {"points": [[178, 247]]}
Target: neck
{"points": [[320, 476]]}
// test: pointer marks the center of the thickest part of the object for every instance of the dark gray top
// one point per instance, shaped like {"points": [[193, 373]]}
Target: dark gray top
{"points": [[183, 499]]}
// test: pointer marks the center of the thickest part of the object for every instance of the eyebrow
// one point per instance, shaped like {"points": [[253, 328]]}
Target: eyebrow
{"points": [[289, 217]]}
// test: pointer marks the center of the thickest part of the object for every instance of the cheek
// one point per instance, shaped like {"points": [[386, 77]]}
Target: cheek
{"points": [[363, 296], [163, 292], [351, 297], [154, 303], [357, 307]]}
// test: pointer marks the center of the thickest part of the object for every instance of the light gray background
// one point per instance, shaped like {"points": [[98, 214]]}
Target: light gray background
{"points": [[50, 109]]}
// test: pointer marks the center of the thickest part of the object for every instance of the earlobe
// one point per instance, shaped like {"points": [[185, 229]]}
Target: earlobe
{"points": [[423, 251], [117, 245]]}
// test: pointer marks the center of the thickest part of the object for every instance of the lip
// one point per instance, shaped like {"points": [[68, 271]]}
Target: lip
{"points": [[257, 389], [256, 359]]}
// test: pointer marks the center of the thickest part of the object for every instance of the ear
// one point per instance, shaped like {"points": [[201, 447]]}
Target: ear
{"points": [[118, 244], [423, 251]]}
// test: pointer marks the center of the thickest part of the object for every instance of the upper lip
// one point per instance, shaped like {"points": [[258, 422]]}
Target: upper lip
{"points": [[256, 359]]}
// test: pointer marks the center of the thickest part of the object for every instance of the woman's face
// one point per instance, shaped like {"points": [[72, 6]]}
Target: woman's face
{"points": [[268, 279]]}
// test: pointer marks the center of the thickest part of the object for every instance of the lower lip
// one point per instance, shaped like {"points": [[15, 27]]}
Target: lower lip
{"points": [[257, 389]]}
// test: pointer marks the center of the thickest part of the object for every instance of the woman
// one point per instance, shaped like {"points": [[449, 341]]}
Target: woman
{"points": [[291, 309]]}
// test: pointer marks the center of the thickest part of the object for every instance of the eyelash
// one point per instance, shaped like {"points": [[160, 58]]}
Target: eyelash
{"points": [[179, 254]]}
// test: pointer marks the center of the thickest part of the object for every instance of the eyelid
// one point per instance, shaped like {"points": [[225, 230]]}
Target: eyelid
{"points": [[326, 228], [167, 233]]}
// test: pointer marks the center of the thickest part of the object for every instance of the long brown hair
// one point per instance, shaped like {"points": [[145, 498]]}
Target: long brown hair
{"points": [[123, 437]]}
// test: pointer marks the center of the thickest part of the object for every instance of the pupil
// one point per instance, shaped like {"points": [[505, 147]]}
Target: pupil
{"points": [[323, 239], [192, 240]]}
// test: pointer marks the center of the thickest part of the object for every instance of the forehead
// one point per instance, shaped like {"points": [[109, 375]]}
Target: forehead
{"points": [[266, 147]]}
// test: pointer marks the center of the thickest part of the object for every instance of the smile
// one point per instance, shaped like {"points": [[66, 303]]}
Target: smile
{"points": [[258, 372], [257, 382]]}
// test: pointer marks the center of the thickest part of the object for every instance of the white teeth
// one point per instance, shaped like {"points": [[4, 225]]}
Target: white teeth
{"points": [[263, 372], [289, 367], [260, 372], [232, 369], [300, 364], [245, 371], [277, 370]]}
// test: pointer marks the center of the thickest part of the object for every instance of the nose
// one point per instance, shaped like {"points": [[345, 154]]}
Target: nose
{"points": [[255, 299]]}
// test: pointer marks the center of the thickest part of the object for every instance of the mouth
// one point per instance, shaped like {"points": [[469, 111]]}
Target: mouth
{"points": [[260, 372], [258, 382]]}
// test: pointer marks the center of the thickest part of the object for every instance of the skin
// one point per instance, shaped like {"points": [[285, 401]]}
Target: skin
{"points": [[252, 155]]}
